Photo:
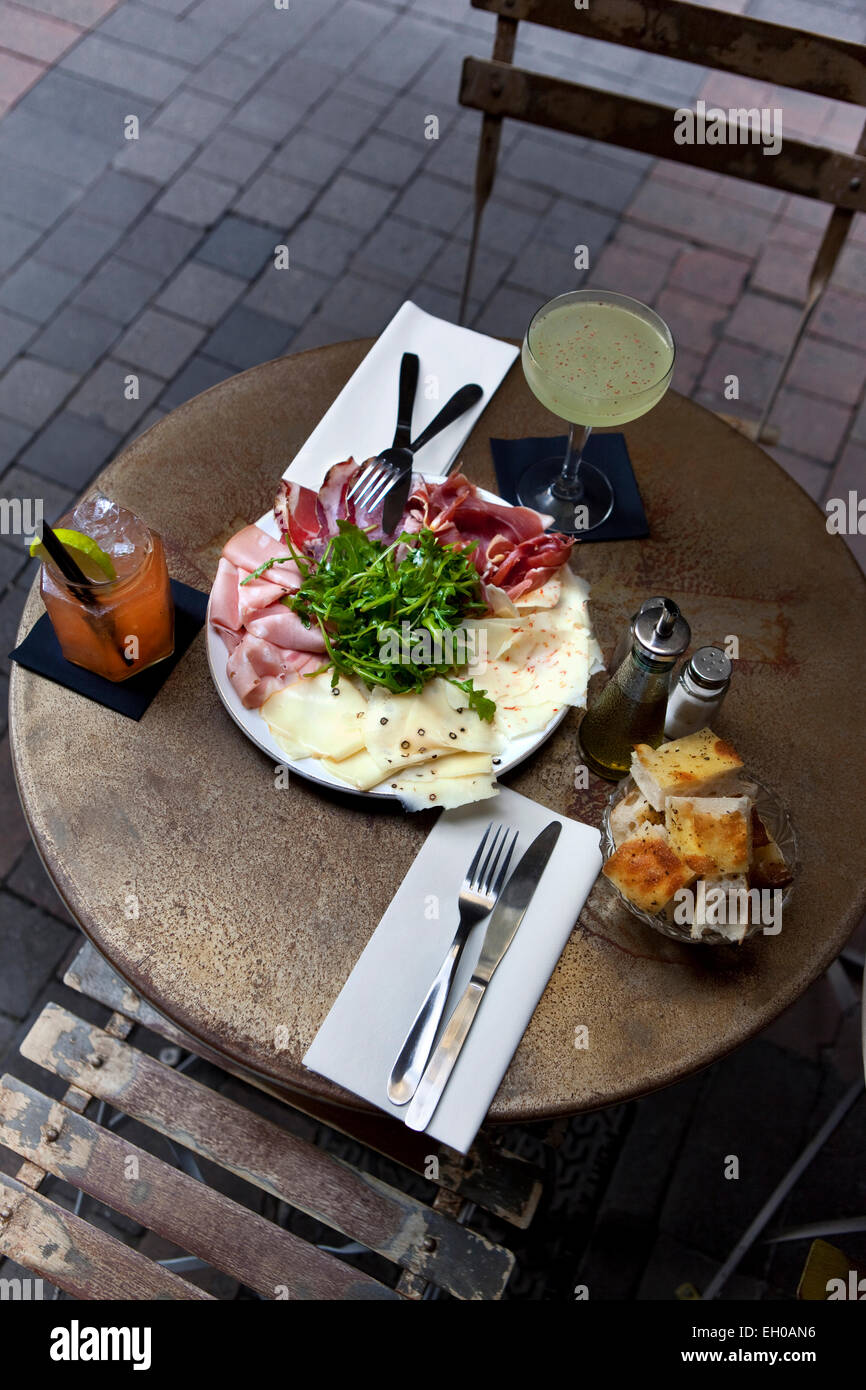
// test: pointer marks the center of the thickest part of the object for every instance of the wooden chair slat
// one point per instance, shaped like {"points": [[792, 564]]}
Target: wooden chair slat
{"points": [[808, 170], [502, 1183], [360, 1206], [77, 1257], [203, 1222], [737, 43]]}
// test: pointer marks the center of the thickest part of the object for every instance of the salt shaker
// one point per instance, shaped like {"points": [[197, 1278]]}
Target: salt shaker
{"points": [[631, 707], [698, 694]]}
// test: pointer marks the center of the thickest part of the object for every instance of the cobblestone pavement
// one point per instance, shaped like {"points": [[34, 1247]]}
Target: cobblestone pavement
{"points": [[309, 127]]}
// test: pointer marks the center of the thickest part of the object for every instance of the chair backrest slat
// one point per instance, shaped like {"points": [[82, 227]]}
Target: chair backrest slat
{"points": [[60, 1247], [500, 90], [397, 1226], [736, 43], [204, 1222]]}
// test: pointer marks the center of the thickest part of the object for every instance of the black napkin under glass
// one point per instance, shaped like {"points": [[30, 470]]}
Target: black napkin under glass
{"points": [[627, 521], [40, 652]]}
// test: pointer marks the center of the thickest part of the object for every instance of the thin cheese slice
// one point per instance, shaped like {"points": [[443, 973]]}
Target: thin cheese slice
{"points": [[517, 720], [308, 720], [449, 767], [547, 595], [447, 793], [359, 770], [402, 730]]}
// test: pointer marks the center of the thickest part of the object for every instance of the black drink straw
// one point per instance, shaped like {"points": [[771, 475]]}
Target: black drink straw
{"points": [[77, 580], [69, 568]]}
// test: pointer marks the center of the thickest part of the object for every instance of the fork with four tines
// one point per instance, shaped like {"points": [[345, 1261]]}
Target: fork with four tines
{"points": [[481, 887]]}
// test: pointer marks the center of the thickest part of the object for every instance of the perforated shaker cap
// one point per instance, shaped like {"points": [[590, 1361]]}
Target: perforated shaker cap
{"points": [[661, 630], [711, 668]]}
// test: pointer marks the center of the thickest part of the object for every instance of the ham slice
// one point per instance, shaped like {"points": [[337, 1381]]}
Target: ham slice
{"points": [[251, 547], [268, 645], [281, 627], [224, 598], [257, 669], [254, 595]]}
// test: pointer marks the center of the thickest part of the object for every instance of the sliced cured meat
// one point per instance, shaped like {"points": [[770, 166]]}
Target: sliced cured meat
{"points": [[257, 669], [252, 546], [224, 598], [310, 518], [281, 627], [514, 550], [299, 515], [333, 500]]}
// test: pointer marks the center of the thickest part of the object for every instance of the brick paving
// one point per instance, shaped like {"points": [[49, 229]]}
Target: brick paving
{"points": [[307, 127]]}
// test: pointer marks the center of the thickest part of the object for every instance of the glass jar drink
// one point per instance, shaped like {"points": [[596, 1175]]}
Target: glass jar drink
{"points": [[114, 627]]}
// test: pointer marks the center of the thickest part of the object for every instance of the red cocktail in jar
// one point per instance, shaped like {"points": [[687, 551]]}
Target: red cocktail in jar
{"points": [[122, 620]]}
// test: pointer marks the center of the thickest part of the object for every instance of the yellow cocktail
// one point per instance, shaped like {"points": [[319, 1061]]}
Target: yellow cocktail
{"points": [[595, 359]]}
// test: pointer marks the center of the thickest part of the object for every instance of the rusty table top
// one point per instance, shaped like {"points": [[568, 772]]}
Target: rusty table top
{"points": [[254, 902]]}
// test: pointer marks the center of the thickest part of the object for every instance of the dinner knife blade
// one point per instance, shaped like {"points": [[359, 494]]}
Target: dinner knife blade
{"points": [[398, 493], [504, 922]]}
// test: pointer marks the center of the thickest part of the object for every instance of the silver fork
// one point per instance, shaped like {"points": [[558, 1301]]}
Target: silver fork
{"points": [[481, 887], [380, 474]]}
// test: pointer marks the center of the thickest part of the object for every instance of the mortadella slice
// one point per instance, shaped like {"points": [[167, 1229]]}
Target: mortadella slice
{"points": [[257, 669], [279, 625], [252, 546]]}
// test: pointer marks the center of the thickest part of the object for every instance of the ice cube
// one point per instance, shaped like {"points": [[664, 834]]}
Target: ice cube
{"points": [[118, 531]]}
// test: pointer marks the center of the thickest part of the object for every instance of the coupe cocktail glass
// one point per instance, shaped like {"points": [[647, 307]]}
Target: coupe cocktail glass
{"points": [[596, 359]]}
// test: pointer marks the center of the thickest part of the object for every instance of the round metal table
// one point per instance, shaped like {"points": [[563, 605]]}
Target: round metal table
{"points": [[255, 902]]}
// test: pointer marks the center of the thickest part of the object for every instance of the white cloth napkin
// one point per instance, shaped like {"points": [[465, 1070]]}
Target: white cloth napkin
{"points": [[362, 419], [360, 1039]]}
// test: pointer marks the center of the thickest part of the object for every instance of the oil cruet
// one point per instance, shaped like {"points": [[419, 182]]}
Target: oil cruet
{"points": [[631, 707]]}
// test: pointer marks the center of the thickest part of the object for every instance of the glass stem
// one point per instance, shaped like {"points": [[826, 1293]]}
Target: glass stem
{"points": [[568, 485]]}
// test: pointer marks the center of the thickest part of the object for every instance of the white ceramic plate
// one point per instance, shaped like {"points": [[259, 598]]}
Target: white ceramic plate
{"points": [[257, 731]]}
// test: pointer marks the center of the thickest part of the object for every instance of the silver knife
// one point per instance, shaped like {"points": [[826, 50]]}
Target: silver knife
{"points": [[504, 921], [398, 493]]}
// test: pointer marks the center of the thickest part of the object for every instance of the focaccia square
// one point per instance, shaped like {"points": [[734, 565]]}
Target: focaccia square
{"points": [[646, 870], [713, 834], [734, 920], [691, 766], [629, 814]]}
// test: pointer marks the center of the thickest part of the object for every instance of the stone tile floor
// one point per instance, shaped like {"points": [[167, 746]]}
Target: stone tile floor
{"points": [[310, 127]]}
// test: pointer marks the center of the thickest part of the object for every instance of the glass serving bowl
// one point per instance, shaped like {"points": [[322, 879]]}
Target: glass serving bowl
{"points": [[779, 828]]}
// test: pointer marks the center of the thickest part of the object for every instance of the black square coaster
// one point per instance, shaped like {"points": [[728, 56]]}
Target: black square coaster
{"points": [[627, 521], [40, 652]]}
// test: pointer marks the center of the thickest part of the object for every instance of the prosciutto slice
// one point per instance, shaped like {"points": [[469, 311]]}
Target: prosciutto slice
{"points": [[310, 518], [515, 551]]}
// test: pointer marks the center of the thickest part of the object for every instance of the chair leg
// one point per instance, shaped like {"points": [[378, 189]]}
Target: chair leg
{"points": [[778, 1196], [485, 174]]}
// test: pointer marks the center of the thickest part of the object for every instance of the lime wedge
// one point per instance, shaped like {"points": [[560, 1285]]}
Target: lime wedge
{"points": [[93, 562]]}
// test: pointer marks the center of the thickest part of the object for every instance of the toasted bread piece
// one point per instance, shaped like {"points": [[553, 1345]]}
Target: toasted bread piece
{"points": [[646, 870], [713, 834], [735, 915], [629, 814], [691, 766], [768, 868]]}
